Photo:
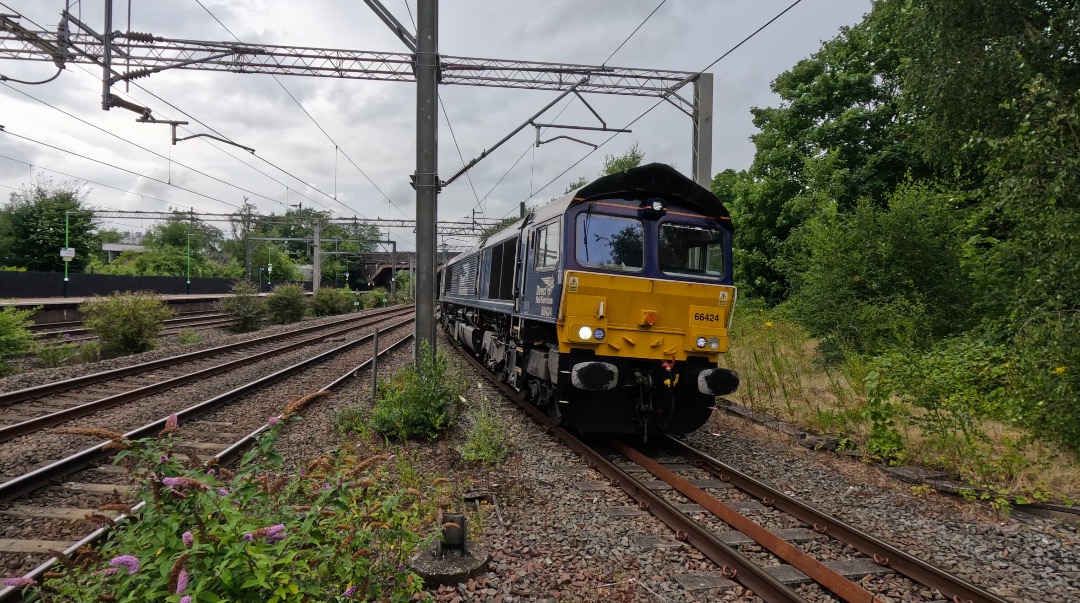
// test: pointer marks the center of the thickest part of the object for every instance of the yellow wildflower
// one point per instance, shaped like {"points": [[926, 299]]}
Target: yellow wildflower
{"points": [[768, 323], [1059, 370]]}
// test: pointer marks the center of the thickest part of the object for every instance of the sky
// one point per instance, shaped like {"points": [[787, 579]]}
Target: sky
{"points": [[373, 122]]}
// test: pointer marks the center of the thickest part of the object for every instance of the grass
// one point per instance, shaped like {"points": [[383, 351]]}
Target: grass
{"points": [[784, 376]]}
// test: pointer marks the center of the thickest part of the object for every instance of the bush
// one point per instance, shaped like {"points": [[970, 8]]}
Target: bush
{"points": [[245, 307], [259, 535], [125, 323], [376, 298], [419, 402], [328, 301], [286, 304], [488, 441], [16, 338], [878, 278]]}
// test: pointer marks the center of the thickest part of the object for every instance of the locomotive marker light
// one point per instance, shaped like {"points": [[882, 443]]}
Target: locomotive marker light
{"points": [[714, 343], [599, 334], [701, 341]]}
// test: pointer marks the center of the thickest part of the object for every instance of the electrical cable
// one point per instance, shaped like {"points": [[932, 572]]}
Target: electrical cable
{"points": [[453, 137], [4, 78], [604, 64]]}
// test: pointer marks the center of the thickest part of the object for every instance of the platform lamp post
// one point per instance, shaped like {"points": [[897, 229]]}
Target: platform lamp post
{"points": [[189, 262], [67, 242]]}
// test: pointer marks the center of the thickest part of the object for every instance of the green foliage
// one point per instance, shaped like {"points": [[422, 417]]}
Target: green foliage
{"points": [[245, 307], [343, 531], [328, 301], [883, 441], [488, 440], [187, 337], [58, 354], [286, 304], [125, 323], [403, 284], [616, 164], [32, 227], [376, 298], [420, 401], [16, 338], [876, 278]]}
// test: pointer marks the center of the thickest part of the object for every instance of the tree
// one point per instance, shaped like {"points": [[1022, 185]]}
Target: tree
{"points": [[613, 164], [839, 136], [32, 226]]}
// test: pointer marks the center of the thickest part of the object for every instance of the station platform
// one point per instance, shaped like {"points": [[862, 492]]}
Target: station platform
{"points": [[64, 309]]}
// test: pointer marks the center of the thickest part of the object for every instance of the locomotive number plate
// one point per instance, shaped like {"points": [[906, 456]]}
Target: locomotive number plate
{"points": [[710, 316]]}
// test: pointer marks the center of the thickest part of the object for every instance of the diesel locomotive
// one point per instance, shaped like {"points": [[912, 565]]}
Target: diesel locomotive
{"points": [[609, 307]]}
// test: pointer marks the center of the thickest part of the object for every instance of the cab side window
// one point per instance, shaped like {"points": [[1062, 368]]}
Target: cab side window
{"points": [[546, 247]]}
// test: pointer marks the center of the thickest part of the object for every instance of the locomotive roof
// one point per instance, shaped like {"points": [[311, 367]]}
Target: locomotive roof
{"points": [[651, 180], [655, 179]]}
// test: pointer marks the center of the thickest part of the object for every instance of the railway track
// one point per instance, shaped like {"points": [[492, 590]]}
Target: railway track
{"points": [[74, 332], [757, 535], [221, 428]]}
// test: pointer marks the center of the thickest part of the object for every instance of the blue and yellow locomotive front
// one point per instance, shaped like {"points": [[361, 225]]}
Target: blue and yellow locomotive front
{"points": [[609, 308], [643, 306]]}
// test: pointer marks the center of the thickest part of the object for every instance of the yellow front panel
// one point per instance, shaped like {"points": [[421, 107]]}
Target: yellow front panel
{"points": [[623, 306]]}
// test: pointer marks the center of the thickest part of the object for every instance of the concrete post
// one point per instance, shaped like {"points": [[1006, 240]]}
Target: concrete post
{"points": [[703, 130], [316, 256], [427, 179]]}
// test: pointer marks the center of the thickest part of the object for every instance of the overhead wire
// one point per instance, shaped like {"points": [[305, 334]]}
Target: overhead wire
{"points": [[672, 91], [313, 120], [34, 165], [116, 167], [640, 25]]}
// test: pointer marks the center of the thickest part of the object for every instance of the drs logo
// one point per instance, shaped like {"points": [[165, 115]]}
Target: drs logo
{"points": [[705, 317]]}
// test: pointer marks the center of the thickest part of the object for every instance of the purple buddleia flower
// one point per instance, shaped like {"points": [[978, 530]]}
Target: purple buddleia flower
{"points": [[222, 491], [349, 592], [130, 562], [181, 581], [185, 599], [20, 582], [275, 533], [272, 421], [188, 538]]}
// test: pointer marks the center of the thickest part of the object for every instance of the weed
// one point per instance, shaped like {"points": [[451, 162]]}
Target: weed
{"points": [[419, 401], [488, 441], [58, 354], [190, 337], [376, 298], [125, 323]]}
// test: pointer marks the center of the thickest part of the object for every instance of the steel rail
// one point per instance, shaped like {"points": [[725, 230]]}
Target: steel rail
{"points": [[59, 386], [228, 455], [815, 569], [45, 328], [82, 335], [62, 416], [734, 565], [37, 478], [953, 587]]}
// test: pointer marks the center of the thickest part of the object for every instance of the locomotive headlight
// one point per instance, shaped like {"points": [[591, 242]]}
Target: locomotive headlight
{"points": [[714, 342], [598, 334], [585, 333], [657, 205], [702, 342]]}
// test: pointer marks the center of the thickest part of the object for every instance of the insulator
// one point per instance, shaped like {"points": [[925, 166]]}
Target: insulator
{"points": [[139, 36], [134, 75]]}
